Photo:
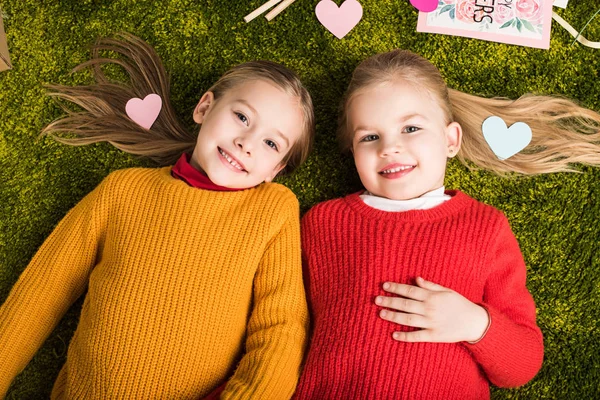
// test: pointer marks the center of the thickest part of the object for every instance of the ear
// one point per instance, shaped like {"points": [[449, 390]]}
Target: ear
{"points": [[453, 138], [275, 172], [205, 103]]}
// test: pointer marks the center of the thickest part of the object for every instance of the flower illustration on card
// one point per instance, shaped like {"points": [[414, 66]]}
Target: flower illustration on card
{"points": [[527, 15], [529, 10], [465, 10], [503, 13], [446, 6]]}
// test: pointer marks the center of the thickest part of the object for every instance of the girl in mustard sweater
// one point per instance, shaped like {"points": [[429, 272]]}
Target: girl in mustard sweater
{"points": [[193, 272]]}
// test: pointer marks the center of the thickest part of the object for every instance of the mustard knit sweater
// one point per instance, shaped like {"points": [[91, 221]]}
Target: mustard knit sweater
{"points": [[186, 288]]}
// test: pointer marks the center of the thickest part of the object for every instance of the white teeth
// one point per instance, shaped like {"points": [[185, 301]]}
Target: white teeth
{"points": [[398, 169], [231, 161]]}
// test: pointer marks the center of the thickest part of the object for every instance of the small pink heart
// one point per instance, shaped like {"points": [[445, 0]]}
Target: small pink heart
{"points": [[339, 20], [425, 5], [144, 112]]}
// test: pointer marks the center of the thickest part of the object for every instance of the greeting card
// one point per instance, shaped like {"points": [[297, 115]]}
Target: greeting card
{"points": [[520, 22]]}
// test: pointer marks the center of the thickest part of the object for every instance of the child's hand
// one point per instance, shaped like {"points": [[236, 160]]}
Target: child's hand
{"points": [[443, 314]]}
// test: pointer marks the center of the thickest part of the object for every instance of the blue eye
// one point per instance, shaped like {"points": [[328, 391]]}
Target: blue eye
{"points": [[271, 144], [411, 129], [242, 117], [369, 138]]}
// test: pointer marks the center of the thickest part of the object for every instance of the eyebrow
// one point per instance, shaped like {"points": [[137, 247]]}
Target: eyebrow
{"points": [[281, 135], [405, 118]]}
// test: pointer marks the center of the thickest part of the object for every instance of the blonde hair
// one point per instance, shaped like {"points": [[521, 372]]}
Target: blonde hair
{"points": [[104, 118], [563, 132]]}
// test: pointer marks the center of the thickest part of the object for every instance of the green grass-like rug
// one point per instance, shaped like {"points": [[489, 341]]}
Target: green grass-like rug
{"points": [[554, 217]]}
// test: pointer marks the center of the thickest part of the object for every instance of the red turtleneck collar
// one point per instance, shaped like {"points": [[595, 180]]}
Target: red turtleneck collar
{"points": [[186, 172]]}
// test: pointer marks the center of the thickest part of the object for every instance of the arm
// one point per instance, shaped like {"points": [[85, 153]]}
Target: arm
{"points": [[55, 277], [277, 329], [512, 350], [501, 332]]}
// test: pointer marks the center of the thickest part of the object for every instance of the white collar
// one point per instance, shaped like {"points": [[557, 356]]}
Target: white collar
{"points": [[426, 201]]}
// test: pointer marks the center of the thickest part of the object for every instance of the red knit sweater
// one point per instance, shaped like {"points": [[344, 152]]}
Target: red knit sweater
{"points": [[351, 249]]}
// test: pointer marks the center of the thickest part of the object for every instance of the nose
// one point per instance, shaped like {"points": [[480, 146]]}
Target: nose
{"points": [[245, 143], [390, 146]]}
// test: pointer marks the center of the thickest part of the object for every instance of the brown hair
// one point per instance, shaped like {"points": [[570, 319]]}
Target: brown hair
{"points": [[104, 118], [563, 132]]}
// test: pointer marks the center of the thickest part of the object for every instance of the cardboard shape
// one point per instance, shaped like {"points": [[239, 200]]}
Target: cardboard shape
{"points": [[4, 56], [339, 20], [144, 112], [505, 142], [561, 3]]}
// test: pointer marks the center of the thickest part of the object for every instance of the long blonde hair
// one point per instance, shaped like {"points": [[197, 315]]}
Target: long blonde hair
{"points": [[563, 133], [103, 118]]}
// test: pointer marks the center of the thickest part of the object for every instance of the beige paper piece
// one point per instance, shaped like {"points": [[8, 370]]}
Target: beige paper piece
{"points": [[560, 3], [574, 33], [260, 10], [277, 10]]}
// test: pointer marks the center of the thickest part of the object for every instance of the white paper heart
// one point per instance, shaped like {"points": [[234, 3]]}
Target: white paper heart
{"points": [[505, 142]]}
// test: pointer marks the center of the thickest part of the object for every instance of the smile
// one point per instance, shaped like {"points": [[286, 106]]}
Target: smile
{"points": [[230, 161], [398, 169], [395, 171]]}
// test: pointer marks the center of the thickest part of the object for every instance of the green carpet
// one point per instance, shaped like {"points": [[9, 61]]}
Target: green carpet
{"points": [[554, 217]]}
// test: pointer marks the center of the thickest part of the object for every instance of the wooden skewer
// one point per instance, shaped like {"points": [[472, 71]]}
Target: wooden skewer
{"points": [[274, 12], [260, 10]]}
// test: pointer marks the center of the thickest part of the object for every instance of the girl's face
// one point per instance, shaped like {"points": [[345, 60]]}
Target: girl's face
{"points": [[400, 140], [246, 133]]}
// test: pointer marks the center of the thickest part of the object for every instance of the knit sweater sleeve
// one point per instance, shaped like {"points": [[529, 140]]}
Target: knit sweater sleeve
{"points": [[278, 325], [55, 277], [512, 350]]}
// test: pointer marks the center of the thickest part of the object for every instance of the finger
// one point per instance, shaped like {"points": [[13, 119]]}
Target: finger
{"points": [[407, 319], [430, 285], [422, 335], [410, 291], [401, 304]]}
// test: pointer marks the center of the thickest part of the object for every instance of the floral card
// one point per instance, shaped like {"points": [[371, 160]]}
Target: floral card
{"points": [[520, 22]]}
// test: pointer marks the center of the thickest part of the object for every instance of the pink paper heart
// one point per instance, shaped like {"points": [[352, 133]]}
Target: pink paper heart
{"points": [[144, 112], [425, 5], [339, 20]]}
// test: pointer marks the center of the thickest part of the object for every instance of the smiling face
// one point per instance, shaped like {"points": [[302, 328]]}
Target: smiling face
{"points": [[246, 133], [401, 140]]}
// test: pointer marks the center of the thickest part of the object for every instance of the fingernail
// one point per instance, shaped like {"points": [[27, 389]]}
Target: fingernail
{"points": [[396, 335], [378, 300], [383, 313], [386, 286]]}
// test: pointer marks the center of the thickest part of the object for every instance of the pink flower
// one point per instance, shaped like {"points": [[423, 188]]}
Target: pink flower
{"points": [[530, 10], [465, 10], [502, 14]]}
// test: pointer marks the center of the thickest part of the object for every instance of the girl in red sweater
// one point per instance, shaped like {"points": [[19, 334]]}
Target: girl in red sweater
{"points": [[418, 292]]}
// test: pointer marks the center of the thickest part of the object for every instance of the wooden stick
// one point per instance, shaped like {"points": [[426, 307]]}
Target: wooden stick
{"points": [[260, 10], [274, 12]]}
